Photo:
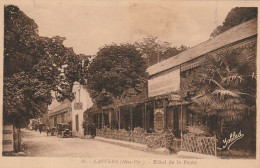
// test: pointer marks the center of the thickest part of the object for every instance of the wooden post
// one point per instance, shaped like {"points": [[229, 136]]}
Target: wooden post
{"points": [[181, 128], [165, 140], [110, 124], [215, 139], [119, 122], [102, 119], [164, 109], [98, 120], [181, 141], [153, 113], [145, 115], [118, 132], [123, 120], [143, 118], [164, 124], [181, 120], [131, 118]]}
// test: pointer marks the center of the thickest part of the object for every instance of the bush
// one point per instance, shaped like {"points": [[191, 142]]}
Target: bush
{"points": [[139, 135], [198, 130], [89, 128], [155, 141]]}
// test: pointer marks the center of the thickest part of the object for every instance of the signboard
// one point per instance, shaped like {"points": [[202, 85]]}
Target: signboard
{"points": [[78, 105], [174, 97], [8, 138], [164, 83], [158, 120]]}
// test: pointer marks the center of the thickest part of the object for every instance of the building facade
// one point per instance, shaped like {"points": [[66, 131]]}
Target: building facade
{"points": [[165, 108], [167, 77], [80, 104], [60, 113]]}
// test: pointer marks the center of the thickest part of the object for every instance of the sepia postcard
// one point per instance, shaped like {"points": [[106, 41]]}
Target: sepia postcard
{"points": [[111, 83]]}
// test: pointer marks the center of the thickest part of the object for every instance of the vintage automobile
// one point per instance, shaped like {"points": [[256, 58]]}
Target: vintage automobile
{"points": [[63, 130], [51, 131]]}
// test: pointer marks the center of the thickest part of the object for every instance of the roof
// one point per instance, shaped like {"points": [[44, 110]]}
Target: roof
{"points": [[63, 107], [140, 98], [232, 35]]}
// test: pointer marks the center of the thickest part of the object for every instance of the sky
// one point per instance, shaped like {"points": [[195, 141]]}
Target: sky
{"points": [[90, 25]]}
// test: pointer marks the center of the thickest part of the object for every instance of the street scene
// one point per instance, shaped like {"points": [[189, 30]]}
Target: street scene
{"points": [[129, 80], [41, 145]]}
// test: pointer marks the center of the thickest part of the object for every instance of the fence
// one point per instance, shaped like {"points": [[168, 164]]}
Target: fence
{"points": [[199, 144], [152, 140], [114, 134], [189, 143]]}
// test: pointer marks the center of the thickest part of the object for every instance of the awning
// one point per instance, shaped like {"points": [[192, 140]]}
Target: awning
{"points": [[59, 112]]}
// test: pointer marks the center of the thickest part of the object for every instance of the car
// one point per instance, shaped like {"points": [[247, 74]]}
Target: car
{"points": [[63, 130], [50, 131]]}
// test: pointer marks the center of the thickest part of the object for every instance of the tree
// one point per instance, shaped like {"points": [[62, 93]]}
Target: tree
{"points": [[116, 72], [235, 17], [226, 86], [154, 51], [227, 94], [33, 67], [21, 34], [223, 90]]}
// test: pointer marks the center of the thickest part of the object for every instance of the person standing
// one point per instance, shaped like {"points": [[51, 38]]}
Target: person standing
{"points": [[36, 127], [40, 128]]}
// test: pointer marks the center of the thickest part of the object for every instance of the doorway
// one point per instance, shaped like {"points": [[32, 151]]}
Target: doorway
{"points": [[176, 128]]}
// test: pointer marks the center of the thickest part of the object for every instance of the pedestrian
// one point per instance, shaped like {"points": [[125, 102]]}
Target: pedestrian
{"points": [[36, 127], [47, 130], [40, 128]]}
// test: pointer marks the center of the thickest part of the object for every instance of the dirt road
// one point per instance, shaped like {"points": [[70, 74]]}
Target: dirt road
{"points": [[38, 145]]}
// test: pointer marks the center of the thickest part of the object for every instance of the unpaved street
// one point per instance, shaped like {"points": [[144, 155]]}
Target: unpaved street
{"points": [[37, 144]]}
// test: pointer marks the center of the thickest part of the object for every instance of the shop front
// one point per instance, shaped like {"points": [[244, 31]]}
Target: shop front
{"points": [[60, 114]]}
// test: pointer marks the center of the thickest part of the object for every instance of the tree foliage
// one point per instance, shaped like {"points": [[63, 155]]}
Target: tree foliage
{"points": [[225, 85], [154, 50], [116, 72], [33, 67], [223, 91], [235, 17]]}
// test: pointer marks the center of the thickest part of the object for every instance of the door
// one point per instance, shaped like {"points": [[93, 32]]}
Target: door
{"points": [[176, 122]]}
